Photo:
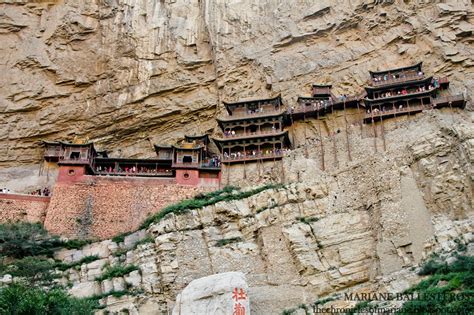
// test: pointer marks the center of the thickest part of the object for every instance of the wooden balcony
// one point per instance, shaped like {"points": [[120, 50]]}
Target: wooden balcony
{"points": [[252, 158], [185, 165], [135, 174], [250, 135], [390, 81], [246, 115], [379, 115], [75, 161]]}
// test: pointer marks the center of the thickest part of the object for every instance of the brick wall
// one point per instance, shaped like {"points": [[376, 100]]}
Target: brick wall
{"points": [[24, 208], [102, 207]]}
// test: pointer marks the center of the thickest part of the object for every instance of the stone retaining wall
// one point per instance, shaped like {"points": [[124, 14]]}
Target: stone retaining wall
{"points": [[102, 207], [25, 208]]}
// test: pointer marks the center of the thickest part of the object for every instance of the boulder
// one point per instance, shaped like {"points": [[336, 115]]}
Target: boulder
{"points": [[219, 294]]}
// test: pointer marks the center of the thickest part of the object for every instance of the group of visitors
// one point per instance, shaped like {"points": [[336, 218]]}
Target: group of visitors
{"points": [[255, 111], [5, 191], [401, 75], [404, 91], [317, 105], [130, 170], [229, 133], [215, 161], [255, 153], [38, 192]]}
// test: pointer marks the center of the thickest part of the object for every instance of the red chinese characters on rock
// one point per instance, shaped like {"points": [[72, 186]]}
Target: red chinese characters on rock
{"points": [[237, 296]]}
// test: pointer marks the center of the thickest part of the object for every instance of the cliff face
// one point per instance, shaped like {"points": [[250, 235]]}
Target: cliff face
{"points": [[127, 74], [360, 227]]}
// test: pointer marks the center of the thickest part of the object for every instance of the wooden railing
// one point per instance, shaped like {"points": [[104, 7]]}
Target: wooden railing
{"points": [[251, 134], [405, 78], [395, 111], [246, 114], [252, 157], [123, 173]]}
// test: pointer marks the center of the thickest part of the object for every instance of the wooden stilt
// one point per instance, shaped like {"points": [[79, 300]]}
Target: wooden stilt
{"points": [[333, 137], [383, 133], [347, 133], [375, 131], [361, 121], [322, 145], [304, 135]]}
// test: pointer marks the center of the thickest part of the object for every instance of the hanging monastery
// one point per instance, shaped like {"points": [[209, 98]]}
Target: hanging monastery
{"points": [[119, 193]]}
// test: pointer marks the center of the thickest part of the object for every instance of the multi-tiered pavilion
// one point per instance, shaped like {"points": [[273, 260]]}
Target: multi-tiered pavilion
{"points": [[252, 131], [403, 91]]}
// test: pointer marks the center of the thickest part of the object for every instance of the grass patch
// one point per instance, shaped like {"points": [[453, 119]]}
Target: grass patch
{"points": [[202, 200], [116, 271], [88, 259], [121, 237], [146, 240], [448, 289], [324, 301], [120, 252], [227, 241]]}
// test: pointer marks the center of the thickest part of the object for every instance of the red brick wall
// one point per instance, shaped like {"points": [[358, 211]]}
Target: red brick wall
{"points": [[24, 208], [187, 177], [102, 207]]}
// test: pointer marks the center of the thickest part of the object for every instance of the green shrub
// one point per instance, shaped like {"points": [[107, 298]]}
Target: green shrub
{"points": [[116, 271], [20, 299], [436, 299], [35, 269], [75, 244], [226, 241], [431, 267], [26, 239], [121, 237]]}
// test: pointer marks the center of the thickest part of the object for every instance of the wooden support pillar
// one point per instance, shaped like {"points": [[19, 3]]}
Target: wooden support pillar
{"points": [[347, 132], [375, 131], [333, 137], [360, 121], [304, 135], [383, 133], [322, 145]]}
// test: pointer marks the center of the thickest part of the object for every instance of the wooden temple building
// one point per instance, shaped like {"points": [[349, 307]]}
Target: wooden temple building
{"points": [[190, 162], [252, 131], [405, 91]]}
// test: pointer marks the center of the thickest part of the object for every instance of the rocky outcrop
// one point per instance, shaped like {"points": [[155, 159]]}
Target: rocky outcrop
{"points": [[127, 74], [360, 227]]}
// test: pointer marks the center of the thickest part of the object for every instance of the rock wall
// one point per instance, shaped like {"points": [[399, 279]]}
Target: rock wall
{"points": [[22, 208], [362, 226], [127, 74], [103, 207]]}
